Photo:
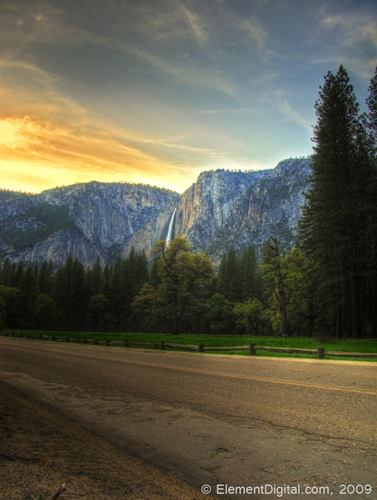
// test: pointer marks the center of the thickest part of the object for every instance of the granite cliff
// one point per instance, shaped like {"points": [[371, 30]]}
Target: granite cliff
{"points": [[85, 220], [224, 209], [221, 209]]}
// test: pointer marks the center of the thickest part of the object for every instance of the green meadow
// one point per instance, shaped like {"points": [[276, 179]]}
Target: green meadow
{"points": [[367, 346]]}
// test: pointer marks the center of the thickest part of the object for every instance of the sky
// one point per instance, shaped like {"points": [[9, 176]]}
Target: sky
{"points": [[157, 91]]}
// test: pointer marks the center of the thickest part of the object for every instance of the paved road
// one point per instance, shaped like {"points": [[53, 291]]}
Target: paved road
{"points": [[240, 421]]}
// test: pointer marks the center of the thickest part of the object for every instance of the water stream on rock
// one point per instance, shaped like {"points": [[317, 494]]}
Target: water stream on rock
{"points": [[171, 228]]}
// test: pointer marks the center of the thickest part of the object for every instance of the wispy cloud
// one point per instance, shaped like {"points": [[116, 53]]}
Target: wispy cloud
{"points": [[255, 32], [354, 38], [292, 115], [196, 24], [227, 111], [189, 74], [40, 96]]}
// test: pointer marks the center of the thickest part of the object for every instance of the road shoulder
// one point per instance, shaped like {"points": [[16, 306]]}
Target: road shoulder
{"points": [[39, 450]]}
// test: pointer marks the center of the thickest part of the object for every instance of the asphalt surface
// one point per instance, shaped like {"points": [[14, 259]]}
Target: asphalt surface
{"points": [[215, 420]]}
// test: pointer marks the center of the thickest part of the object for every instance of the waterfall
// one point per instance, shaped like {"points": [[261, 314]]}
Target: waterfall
{"points": [[171, 228]]}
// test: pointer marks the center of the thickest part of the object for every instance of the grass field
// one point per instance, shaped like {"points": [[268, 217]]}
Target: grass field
{"points": [[346, 345]]}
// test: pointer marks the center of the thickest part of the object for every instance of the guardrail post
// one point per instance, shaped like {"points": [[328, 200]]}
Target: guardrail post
{"points": [[54, 337], [162, 345], [85, 341], [321, 353], [108, 342], [252, 351], [96, 341], [126, 343], [201, 348], [67, 339]]}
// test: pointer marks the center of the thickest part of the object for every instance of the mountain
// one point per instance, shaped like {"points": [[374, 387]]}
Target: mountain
{"points": [[221, 209], [225, 209], [85, 220]]}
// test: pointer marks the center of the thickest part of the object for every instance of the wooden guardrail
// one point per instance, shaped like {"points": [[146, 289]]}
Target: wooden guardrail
{"points": [[251, 348]]}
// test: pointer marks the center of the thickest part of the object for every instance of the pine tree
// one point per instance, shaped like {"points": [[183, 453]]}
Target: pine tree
{"points": [[372, 104], [275, 277], [7, 278], [229, 276], [26, 298], [371, 240], [17, 273], [97, 278], [250, 275], [334, 222], [58, 294], [78, 298], [233, 276], [116, 295], [46, 278]]}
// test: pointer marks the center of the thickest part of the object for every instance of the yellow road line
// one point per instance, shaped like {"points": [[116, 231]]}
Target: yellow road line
{"points": [[255, 379], [224, 375]]}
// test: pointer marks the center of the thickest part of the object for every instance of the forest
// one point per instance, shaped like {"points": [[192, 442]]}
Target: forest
{"points": [[325, 285]]}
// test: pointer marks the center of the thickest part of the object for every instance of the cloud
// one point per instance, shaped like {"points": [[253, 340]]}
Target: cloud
{"points": [[8, 132], [182, 42], [354, 38], [154, 90], [197, 26], [255, 31], [227, 111], [189, 74], [28, 90], [283, 107], [84, 153]]}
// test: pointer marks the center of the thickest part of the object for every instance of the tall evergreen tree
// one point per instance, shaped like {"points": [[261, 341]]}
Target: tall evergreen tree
{"points": [[233, 276], [275, 277], [78, 297], [96, 281], [372, 104], [116, 295], [58, 294], [229, 282], [27, 296], [250, 275], [371, 241], [46, 277], [7, 275], [334, 222], [17, 272]]}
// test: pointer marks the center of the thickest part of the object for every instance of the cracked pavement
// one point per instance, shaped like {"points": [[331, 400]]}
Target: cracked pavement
{"points": [[241, 421]]}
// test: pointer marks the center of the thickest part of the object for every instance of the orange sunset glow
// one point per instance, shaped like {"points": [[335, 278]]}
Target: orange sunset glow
{"points": [[157, 92]]}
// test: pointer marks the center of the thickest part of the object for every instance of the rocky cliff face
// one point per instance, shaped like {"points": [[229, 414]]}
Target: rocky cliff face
{"points": [[206, 206], [102, 220], [85, 220], [224, 209], [270, 207]]}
